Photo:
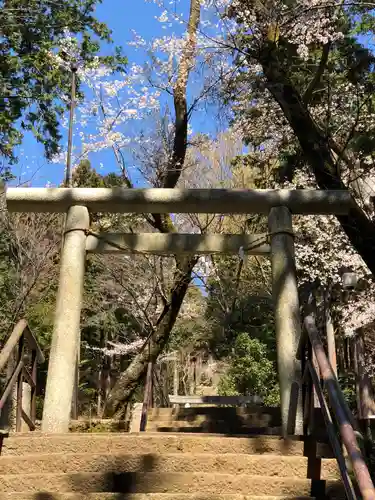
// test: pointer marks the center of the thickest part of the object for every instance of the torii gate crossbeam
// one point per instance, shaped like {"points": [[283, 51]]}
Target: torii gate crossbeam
{"points": [[277, 204], [158, 201]]}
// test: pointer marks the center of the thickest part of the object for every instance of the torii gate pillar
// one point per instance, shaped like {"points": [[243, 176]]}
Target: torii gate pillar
{"points": [[287, 319], [278, 204], [66, 330]]}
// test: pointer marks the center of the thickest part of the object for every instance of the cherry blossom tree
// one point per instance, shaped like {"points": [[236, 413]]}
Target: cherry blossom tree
{"points": [[173, 59], [300, 89], [276, 40]]}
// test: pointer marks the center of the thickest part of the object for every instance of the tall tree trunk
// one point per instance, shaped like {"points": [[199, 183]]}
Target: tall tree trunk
{"points": [[315, 145], [179, 97], [129, 380]]}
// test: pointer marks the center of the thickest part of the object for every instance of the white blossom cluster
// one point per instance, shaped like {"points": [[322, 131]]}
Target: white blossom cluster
{"points": [[315, 22], [358, 312], [323, 252], [117, 349], [117, 110], [305, 23], [204, 267]]}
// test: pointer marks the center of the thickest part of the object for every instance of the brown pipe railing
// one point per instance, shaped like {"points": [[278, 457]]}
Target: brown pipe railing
{"points": [[148, 396], [15, 347], [337, 416]]}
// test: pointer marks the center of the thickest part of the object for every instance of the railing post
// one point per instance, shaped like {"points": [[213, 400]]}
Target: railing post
{"points": [[66, 332], [9, 410], [343, 417], [26, 405], [287, 319], [74, 412], [34, 368], [147, 398], [150, 400], [365, 401], [19, 386], [330, 331], [176, 381]]}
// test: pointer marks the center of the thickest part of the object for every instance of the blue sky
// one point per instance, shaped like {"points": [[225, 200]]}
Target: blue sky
{"points": [[121, 16]]}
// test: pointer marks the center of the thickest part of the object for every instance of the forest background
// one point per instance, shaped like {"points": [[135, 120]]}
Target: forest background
{"points": [[206, 93]]}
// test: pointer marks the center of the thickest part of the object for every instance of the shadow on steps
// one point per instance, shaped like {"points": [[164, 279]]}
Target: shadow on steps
{"points": [[121, 484], [233, 421]]}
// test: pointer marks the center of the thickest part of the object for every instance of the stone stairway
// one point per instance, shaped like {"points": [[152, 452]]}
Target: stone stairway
{"points": [[257, 420], [163, 465]]}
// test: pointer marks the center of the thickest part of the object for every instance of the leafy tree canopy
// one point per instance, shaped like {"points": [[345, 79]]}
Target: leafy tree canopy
{"points": [[251, 371], [34, 84]]}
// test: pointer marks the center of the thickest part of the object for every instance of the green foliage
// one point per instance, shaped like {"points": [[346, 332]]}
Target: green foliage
{"points": [[251, 372], [6, 175], [191, 330], [97, 428], [233, 309], [240, 314], [347, 384], [349, 61], [39, 407], [40, 316], [8, 279], [32, 85]]}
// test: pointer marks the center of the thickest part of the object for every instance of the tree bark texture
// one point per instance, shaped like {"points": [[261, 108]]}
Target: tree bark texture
{"points": [[129, 380], [179, 97], [315, 145]]}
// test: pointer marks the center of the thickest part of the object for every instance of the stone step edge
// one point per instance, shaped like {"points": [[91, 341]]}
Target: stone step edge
{"points": [[195, 423], [145, 496], [240, 458], [208, 463], [239, 430], [188, 454], [64, 474], [132, 435], [190, 475], [208, 418], [207, 483]]}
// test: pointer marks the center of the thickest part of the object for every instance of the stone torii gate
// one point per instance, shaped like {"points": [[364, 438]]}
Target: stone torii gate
{"points": [[279, 205]]}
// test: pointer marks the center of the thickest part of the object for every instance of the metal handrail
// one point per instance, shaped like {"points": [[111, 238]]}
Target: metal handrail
{"points": [[20, 329], [148, 396], [342, 415], [20, 373]]}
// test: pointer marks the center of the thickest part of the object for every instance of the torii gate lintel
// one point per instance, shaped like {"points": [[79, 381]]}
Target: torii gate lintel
{"points": [[278, 243]]}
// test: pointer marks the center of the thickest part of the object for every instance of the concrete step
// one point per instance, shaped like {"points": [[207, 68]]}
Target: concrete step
{"points": [[37, 443], [140, 496], [253, 416], [256, 421], [88, 424], [204, 410], [257, 465], [223, 427], [259, 416], [153, 482]]}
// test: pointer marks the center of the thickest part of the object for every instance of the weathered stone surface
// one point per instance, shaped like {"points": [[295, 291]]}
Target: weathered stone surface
{"points": [[159, 200], [151, 482], [146, 466], [18, 444], [66, 330], [141, 496], [287, 318], [268, 465]]}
